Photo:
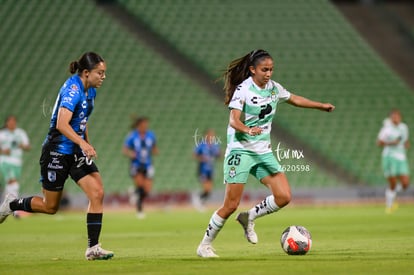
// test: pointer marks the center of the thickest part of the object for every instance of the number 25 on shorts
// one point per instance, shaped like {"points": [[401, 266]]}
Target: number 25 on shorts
{"points": [[234, 159]]}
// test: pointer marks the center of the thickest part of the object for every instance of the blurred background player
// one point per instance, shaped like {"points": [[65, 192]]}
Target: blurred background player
{"points": [[252, 98], [13, 141], [393, 137], [66, 151], [139, 147], [206, 152]]}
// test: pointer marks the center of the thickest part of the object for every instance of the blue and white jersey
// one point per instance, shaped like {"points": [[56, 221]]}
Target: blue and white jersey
{"points": [[73, 97], [142, 146], [208, 153]]}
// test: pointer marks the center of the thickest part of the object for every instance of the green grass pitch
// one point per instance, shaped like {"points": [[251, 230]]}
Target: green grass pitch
{"points": [[346, 240]]}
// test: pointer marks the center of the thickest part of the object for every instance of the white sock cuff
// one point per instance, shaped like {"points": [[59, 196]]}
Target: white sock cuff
{"points": [[398, 188], [271, 204], [390, 192], [216, 219], [13, 188]]}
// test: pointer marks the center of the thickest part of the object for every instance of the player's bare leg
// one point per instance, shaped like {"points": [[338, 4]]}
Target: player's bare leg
{"points": [[49, 204], [232, 198]]}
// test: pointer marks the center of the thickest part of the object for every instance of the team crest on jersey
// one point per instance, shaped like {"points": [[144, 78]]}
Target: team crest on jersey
{"points": [[73, 87], [273, 96], [84, 104], [51, 176], [232, 172]]}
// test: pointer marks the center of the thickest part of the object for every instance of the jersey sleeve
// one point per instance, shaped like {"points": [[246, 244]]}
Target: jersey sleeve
{"points": [[129, 141], [2, 139], [284, 94], [197, 150], [70, 97], [383, 134], [24, 138], [406, 133], [238, 99], [154, 139]]}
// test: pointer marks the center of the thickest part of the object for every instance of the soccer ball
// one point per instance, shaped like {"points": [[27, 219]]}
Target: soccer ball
{"points": [[296, 240]]}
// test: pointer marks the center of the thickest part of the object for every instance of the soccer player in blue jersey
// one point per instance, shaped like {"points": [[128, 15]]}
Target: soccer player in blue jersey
{"points": [[207, 150], [66, 151], [139, 146]]}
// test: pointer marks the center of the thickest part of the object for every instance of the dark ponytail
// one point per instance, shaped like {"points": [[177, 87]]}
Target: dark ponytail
{"points": [[87, 61], [73, 67], [238, 70]]}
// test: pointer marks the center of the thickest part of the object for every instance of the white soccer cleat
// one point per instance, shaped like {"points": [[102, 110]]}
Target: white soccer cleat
{"points": [[248, 226], [141, 215], [206, 251], [96, 252], [5, 210], [196, 202]]}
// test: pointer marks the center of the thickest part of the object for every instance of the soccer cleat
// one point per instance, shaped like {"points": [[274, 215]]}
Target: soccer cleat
{"points": [[392, 209], [5, 210], [141, 215], [206, 251], [395, 206], [248, 226], [197, 203], [96, 252]]}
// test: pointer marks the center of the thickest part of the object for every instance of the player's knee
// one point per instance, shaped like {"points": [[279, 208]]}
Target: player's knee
{"points": [[97, 196]]}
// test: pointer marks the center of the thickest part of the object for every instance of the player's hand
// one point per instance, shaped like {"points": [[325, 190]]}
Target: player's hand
{"points": [[5, 151], [88, 150], [328, 107], [254, 131]]}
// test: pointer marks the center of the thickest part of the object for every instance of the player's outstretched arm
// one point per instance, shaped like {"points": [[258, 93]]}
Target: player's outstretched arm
{"points": [[300, 101]]}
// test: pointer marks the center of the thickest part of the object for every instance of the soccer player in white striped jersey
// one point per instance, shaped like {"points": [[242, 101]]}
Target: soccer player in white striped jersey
{"points": [[393, 137], [13, 142], [252, 98]]}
